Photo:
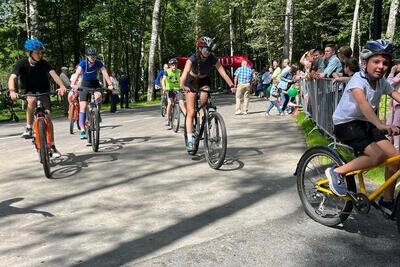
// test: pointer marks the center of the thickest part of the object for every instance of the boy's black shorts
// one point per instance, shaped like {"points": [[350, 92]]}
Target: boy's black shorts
{"points": [[358, 134]]}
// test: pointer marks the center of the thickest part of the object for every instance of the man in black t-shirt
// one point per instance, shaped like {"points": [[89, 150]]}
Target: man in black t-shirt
{"points": [[34, 73]]}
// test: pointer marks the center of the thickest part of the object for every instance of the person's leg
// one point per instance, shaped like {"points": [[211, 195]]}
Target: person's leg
{"points": [[246, 98], [269, 106], [278, 107], [238, 98], [285, 101], [168, 113], [190, 113], [121, 100], [126, 99]]}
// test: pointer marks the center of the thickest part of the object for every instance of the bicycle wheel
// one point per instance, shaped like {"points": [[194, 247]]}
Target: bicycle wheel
{"points": [[215, 140], [95, 129], [44, 149], [71, 115], [176, 116], [163, 105], [312, 185], [196, 131]]}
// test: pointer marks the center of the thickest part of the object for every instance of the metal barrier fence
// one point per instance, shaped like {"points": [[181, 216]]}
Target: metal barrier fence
{"points": [[319, 98]]}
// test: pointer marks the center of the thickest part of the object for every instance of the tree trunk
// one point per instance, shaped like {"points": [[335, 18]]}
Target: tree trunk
{"points": [[287, 48], [32, 24], [57, 12], [231, 34], [354, 27], [394, 6], [153, 43]]}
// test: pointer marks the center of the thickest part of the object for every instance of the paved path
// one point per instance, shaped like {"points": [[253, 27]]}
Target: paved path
{"points": [[141, 200]]}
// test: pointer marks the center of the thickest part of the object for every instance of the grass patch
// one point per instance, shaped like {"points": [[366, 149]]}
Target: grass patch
{"points": [[314, 138]]}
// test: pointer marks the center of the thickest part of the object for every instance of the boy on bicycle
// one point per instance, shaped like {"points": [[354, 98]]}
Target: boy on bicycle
{"points": [[170, 84], [356, 122], [89, 68], [195, 80], [33, 73]]}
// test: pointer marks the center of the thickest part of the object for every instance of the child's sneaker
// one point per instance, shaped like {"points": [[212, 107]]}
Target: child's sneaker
{"points": [[337, 182], [82, 135]]}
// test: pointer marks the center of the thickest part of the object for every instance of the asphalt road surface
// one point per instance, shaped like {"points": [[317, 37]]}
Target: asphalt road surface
{"points": [[143, 201]]}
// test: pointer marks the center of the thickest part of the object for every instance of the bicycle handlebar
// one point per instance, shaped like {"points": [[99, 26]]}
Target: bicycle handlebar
{"points": [[24, 96]]}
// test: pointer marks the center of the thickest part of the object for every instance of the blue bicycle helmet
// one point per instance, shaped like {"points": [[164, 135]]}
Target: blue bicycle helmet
{"points": [[377, 47], [32, 44]]}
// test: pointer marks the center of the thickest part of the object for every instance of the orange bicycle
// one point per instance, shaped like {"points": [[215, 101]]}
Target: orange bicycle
{"points": [[73, 114], [43, 132]]}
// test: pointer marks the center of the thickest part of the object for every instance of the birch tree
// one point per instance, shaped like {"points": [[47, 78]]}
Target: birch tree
{"points": [[354, 27], [32, 24], [287, 48], [394, 6], [153, 44]]}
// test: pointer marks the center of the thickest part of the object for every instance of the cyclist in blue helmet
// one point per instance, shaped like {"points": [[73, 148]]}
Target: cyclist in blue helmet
{"points": [[34, 73], [88, 69], [357, 125]]}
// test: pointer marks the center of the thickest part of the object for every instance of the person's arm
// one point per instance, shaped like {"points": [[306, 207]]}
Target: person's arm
{"points": [[11, 86], [106, 77], [333, 65], [74, 78], [59, 82], [303, 59], [163, 82], [368, 112], [186, 70], [225, 76], [284, 78]]}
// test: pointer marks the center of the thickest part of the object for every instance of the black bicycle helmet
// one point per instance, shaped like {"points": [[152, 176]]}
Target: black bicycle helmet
{"points": [[173, 61], [377, 47], [91, 51]]}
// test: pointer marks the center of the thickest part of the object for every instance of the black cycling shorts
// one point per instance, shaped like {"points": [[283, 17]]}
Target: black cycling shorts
{"points": [[84, 94], [358, 134], [45, 99], [172, 94], [196, 83]]}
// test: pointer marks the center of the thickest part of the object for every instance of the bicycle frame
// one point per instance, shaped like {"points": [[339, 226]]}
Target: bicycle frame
{"points": [[359, 173]]}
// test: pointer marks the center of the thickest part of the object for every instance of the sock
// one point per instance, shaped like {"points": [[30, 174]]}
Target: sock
{"points": [[190, 137], [82, 119], [29, 126]]}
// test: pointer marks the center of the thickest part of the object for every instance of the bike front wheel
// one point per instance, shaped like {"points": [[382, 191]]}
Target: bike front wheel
{"points": [[44, 149], [176, 116], [95, 129], [163, 105], [312, 185], [215, 140]]}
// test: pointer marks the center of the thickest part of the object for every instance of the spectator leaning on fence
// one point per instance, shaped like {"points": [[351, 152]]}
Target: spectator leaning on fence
{"points": [[394, 116], [242, 80], [331, 63], [357, 125]]}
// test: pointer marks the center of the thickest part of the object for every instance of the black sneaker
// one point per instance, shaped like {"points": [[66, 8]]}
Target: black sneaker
{"points": [[386, 206]]}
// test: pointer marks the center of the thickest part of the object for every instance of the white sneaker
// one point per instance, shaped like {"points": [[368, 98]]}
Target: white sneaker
{"points": [[244, 113], [267, 114], [28, 133], [55, 153], [238, 112]]}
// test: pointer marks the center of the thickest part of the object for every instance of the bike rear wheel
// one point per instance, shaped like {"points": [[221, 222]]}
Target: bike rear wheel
{"points": [[71, 115], [215, 140], [176, 116], [312, 185], [95, 129], [44, 149]]}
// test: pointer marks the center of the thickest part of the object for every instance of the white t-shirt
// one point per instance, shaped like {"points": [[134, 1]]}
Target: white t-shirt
{"points": [[348, 110]]}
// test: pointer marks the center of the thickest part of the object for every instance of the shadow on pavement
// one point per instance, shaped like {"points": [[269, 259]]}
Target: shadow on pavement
{"points": [[72, 164], [6, 209]]}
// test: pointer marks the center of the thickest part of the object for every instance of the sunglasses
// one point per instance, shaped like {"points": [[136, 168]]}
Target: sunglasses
{"points": [[205, 49]]}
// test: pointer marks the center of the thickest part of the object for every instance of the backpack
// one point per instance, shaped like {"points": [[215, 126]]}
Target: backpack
{"points": [[275, 91]]}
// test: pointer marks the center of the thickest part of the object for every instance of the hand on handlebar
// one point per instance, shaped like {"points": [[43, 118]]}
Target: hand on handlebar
{"points": [[110, 87], [14, 95], [61, 91], [390, 129]]}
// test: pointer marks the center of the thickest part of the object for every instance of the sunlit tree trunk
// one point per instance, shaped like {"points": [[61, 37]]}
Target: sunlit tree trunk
{"points": [[287, 48], [354, 27], [394, 7], [32, 28], [153, 43], [231, 34]]}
